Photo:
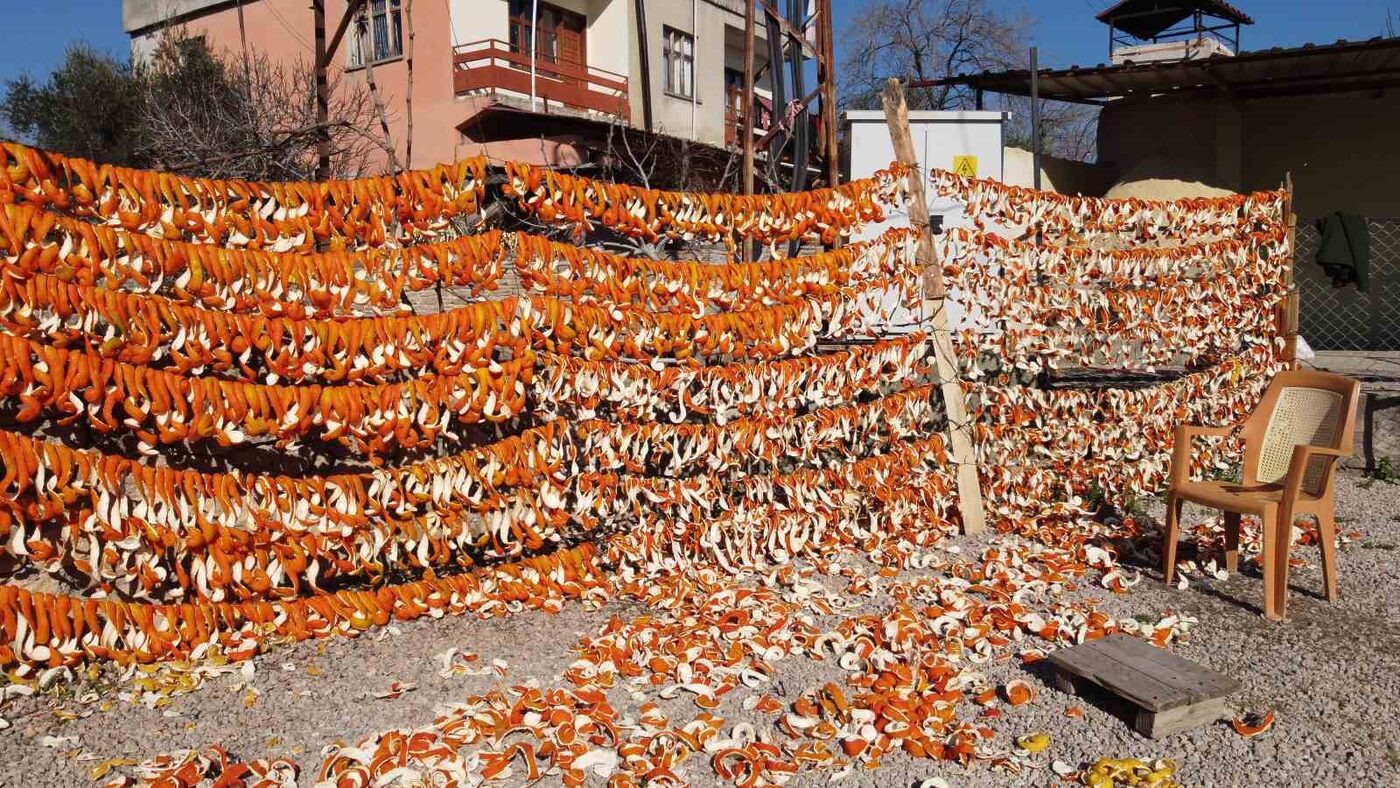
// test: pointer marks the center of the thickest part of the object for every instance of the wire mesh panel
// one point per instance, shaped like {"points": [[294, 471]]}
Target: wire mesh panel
{"points": [[1385, 260], [1343, 318]]}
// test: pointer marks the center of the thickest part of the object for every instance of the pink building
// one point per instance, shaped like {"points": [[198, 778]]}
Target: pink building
{"points": [[476, 87]]}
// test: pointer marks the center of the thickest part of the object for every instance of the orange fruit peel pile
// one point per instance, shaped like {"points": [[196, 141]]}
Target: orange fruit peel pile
{"points": [[677, 434]]}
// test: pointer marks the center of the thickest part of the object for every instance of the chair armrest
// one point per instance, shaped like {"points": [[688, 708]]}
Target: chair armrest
{"points": [[1298, 465], [1181, 449]]}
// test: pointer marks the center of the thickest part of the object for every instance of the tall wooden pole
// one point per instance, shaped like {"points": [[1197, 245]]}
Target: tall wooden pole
{"points": [[747, 130], [1289, 309], [826, 75], [243, 41], [746, 125], [323, 100], [644, 63], [1035, 117], [408, 91], [964, 456]]}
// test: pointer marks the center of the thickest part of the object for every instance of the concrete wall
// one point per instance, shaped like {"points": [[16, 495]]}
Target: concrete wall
{"points": [[1057, 175], [1340, 148], [138, 15]]}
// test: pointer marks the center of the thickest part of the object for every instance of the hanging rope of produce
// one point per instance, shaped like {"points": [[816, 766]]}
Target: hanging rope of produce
{"points": [[590, 276], [1074, 219], [279, 216], [1210, 293], [580, 203]]}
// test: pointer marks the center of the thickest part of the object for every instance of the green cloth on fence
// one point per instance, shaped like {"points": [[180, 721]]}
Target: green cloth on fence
{"points": [[1344, 250]]}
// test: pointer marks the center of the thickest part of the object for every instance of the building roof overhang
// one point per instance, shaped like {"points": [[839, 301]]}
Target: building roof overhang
{"points": [[1309, 69], [1145, 19]]}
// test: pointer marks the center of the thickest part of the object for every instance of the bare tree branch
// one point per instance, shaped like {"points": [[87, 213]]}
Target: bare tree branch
{"points": [[932, 39], [255, 120]]}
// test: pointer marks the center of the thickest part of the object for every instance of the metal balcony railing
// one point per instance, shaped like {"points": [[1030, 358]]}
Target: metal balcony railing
{"points": [[491, 66]]}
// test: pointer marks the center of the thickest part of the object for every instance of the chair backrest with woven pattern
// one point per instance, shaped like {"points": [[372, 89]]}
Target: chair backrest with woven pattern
{"points": [[1300, 407]]}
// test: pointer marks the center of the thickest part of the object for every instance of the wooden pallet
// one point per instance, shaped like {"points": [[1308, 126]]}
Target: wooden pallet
{"points": [[1166, 694]]}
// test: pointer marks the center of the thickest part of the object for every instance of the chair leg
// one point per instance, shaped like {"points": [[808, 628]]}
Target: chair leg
{"points": [[1171, 532], [1283, 543], [1232, 542], [1327, 536], [1268, 560]]}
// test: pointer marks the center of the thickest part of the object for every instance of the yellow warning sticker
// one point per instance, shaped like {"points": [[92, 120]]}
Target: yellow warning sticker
{"points": [[965, 166]]}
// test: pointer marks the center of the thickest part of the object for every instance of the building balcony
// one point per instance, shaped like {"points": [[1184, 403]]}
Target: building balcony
{"points": [[492, 67], [734, 116]]}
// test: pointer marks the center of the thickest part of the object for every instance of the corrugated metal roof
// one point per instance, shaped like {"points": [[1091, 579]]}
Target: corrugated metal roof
{"points": [[1312, 68], [1147, 18]]}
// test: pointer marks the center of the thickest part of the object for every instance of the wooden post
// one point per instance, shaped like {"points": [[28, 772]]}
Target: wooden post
{"points": [[243, 41], [747, 130], [323, 101], [1289, 311], [826, 76], [644, 65], [352, 8], [746, 127], [408, 91], [960, 441], [1035, 117]]}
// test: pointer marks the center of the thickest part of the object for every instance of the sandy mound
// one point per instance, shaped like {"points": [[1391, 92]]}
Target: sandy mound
{"points": [[1158, 179]]}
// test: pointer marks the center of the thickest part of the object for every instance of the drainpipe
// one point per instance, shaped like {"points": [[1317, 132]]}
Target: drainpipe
{"points": [[694, 66], [534, 51]]}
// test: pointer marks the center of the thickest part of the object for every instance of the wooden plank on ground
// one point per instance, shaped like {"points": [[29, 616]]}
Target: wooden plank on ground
{"points": [[974, 518], [1170, 694]]}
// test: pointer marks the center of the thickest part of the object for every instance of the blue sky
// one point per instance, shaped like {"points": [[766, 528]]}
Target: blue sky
{"points": [[34, 33], [1067, 33]]}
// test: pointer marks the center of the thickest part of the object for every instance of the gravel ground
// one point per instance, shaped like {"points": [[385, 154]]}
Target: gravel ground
{"points": [[1331, 674]]}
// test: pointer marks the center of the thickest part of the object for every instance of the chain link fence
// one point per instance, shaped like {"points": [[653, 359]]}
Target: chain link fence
{"points": [[1343, 318]]}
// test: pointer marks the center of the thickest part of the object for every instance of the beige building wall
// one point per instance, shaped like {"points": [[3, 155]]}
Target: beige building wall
{"points": [[1340, 148], [1064, 176], [718, 28]]}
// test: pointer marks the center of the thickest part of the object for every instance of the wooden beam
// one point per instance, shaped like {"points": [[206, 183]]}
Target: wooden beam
{"points": [[778, 127], [826, 77], [351, 9], [974, 519], [796, 35], [747, 130], [644, 64]]}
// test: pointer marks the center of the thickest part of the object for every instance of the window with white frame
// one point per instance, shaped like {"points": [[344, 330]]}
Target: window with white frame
{"points": [[678, 55], [378, 33]]}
